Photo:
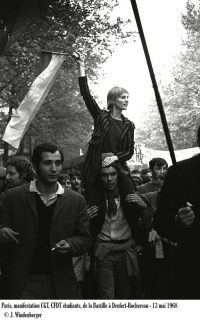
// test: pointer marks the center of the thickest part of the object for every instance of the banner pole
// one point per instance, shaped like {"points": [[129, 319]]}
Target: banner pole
{"points": [[155, 86], [54, 52]]}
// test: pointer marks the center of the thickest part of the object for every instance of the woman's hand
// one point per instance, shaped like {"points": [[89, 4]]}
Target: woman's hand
{"points": [[81, 61], [105, 155], [108, 160]]}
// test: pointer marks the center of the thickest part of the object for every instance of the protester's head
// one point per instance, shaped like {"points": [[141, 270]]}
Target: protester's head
{"points": [[136, 172], [146, 175], [37, 156], [47, 159], [137, 180], [117, 98], [75, 177], [2, 179], [157, 167], [19, 171], [109, 177], [65, 181]]}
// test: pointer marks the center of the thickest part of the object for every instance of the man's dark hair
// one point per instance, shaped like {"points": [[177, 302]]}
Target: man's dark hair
{"points": [[44, 147], [23, 166], [157, 162], [63, 177], [75, 173], [115, 165]]}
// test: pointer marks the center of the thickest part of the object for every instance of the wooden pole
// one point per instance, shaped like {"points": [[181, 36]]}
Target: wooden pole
{"points": [[155, 86]]}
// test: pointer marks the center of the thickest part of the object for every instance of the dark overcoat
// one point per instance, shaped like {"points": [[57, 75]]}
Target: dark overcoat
{"points": [[182, 185], [69, 222]]}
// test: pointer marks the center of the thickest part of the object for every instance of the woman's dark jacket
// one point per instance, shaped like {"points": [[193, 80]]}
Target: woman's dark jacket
{"points": [[102, 120]]}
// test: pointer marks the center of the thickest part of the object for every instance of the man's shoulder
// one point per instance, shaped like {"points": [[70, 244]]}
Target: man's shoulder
{"points": [[146, 187], [191, 164], [18, 190], [73, 195], [195, 160], [152, 195]]}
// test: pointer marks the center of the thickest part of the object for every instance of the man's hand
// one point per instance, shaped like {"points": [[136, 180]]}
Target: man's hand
{"points": [[62, 247], [185, 215], [133, 197], [153, 236], [7, 235], [108, 160], [92, 211]]}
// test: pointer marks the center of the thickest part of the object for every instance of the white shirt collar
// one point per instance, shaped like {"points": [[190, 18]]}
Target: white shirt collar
{"points": [[33, 188]]}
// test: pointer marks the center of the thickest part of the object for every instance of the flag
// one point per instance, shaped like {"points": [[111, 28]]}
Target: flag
{"points": [[25, 113]]}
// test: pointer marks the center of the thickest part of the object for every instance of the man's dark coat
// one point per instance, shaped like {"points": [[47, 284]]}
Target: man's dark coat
{"points": [[69, 222], [182, 185]]}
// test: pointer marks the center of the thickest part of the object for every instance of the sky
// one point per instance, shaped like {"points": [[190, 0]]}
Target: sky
{"points": [[161, 21]]}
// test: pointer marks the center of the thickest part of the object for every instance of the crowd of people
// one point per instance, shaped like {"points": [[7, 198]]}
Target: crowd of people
{"points": [[106, 232], [100, 243]]}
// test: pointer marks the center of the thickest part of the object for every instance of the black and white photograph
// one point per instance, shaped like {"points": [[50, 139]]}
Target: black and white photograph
{"points": [[99, 158]]}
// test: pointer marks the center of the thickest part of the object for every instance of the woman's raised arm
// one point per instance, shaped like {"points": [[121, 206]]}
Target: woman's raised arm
{"points": [[90, 102]]}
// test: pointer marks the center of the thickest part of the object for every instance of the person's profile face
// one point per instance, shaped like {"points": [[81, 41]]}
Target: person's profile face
{"points": [[158, 170], [149, 175], [13, 178], [121, 102]]}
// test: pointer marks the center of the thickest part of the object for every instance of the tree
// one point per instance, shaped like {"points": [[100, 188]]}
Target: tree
{"points": [[181, 97], [15, 18], [67, 26]]}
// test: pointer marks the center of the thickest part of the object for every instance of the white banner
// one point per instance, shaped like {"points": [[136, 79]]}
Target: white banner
{"points": [[27, 110], [143, 155]]}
